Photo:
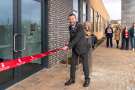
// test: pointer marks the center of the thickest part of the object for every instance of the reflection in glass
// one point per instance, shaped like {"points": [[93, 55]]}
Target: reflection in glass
{"points": [[6, 37], [84, 11], [6, 30], [31, 26], [75, 8]]}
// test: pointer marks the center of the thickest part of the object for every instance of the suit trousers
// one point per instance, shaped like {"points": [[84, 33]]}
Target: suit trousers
{"points": [[84, 61]]}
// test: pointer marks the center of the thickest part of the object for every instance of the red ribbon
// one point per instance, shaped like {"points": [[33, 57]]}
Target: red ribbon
{"points": [[10, 64]]}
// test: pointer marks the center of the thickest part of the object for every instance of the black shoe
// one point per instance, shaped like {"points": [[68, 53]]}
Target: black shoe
{"points": [[69, 82], [86, 83]]}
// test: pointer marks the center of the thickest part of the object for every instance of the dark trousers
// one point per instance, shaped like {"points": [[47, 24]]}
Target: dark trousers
{"points": [[125, 43], [74, 62], [109, 41], [132, 40], [122, 43]]}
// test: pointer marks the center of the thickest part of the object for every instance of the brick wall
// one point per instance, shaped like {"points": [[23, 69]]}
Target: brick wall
{"points": [[128, 12], [58, 27]]}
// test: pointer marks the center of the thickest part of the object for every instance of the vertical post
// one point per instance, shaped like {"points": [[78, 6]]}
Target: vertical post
{"points": [[44, 30], [93, 19], [17, 24], [17, 30], [80, 7], [87, 10]]}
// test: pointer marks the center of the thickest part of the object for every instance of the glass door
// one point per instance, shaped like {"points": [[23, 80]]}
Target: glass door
{"points": [[6, 36], [31, 31], [20, 35]]}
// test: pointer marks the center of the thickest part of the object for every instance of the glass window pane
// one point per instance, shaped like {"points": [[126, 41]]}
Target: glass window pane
{"points": [[6, 29], [31, 26], [6, 36], [75, 8]]}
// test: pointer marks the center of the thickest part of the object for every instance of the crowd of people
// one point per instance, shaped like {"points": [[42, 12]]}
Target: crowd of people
{"points": [[124, 35]]}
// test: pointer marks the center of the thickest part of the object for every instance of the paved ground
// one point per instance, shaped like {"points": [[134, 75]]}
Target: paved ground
{"points": [[112, 69]]}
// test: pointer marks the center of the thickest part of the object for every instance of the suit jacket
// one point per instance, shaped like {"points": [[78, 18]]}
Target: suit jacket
{"points": [[78, 42]]}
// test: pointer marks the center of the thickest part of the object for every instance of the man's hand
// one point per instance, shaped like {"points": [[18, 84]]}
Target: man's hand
{"points": [[65, 48]]}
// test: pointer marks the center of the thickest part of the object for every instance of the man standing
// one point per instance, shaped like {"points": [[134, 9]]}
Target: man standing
{"points": [[79, 45], [132, 36], [109, 35]]}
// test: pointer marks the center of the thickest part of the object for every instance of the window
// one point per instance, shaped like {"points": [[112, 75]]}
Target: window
{"points": [[75, 8], [6, 28]]}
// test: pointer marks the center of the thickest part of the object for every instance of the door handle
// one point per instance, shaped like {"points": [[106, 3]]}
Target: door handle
{"points": [[24, 42]]}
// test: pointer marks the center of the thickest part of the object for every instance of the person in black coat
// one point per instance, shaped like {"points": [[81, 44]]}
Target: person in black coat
{"points": [[80, 48], [109, 35]]}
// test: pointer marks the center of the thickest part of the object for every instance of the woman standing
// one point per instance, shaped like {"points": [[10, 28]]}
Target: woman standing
{"points": [[87, 30], [117, 36], [109, 36], [92, 39], [125, 36]]}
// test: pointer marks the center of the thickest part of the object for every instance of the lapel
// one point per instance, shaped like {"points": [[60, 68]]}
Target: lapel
{"points": [[75, 29], [76, 26], [73, 33]]}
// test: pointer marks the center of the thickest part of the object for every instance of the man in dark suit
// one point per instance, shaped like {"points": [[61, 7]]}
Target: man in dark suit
{"points": [[80, 48]]}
